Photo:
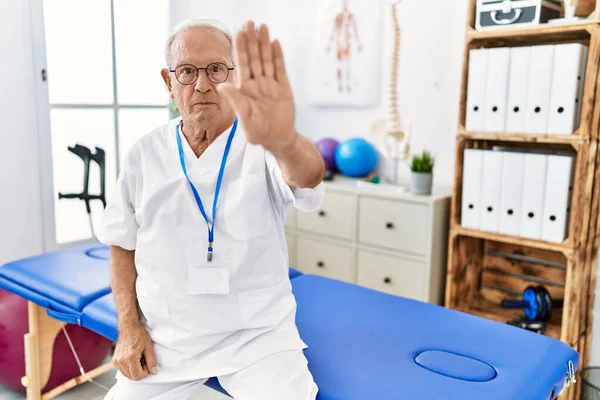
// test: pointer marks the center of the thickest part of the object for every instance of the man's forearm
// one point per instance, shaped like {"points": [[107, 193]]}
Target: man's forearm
{"points": [[301, 164], [123, 276]]}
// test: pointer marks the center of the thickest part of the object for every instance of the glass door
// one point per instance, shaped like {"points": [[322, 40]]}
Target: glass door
{"points": [[99, 90]]}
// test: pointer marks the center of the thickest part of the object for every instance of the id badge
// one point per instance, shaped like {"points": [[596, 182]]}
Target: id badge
{"points": [[206, 277]]}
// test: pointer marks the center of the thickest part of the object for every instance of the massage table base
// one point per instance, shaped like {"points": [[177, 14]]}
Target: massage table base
{"points": [[39, 345]]}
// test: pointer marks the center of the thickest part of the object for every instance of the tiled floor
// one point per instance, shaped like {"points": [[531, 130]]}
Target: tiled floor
{"points": [[90, 391], [87, 391]]}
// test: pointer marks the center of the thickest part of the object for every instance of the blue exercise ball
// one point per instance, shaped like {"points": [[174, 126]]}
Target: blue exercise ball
{"points": [[356, 157]]}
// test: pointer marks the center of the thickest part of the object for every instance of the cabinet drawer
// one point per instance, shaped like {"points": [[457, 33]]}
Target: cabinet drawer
{"points": [[336, 217], [395, 275], [394, 224], [330, 260]]}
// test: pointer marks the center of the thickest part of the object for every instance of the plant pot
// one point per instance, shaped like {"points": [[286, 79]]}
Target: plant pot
{"points": [[420, 182]]}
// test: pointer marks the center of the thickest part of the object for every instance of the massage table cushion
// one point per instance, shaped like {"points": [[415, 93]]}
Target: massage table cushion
{"points": [[362, 344]]}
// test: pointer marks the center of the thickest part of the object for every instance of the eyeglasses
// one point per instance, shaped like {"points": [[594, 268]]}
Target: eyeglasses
{"points": [[187, 74]]}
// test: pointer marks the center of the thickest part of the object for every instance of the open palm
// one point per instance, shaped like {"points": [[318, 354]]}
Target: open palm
{"points": [[263, 97]]}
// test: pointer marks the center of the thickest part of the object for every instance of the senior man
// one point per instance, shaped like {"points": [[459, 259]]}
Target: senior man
{"points": [[199, 262]]}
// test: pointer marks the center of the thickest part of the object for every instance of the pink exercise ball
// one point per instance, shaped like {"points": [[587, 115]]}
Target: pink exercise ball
{"points": [[91, 348]]}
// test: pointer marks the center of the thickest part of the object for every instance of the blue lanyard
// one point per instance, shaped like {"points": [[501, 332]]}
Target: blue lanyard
{"points": [[211, 226]]}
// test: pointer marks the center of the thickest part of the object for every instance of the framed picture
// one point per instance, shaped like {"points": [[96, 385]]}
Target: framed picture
{"points": [[345, 62]]}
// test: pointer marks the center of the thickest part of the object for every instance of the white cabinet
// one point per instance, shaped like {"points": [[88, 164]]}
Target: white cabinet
{"points": [[333, 217], [394, 224], [325, 258], [391, 274], [377, 236]]}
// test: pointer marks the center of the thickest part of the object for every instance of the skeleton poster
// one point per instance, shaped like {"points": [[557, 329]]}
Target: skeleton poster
{"points": [[345, 62]]}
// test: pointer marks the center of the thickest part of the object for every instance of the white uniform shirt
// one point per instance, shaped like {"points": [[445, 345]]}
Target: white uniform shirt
{"points": [[153, 211]]}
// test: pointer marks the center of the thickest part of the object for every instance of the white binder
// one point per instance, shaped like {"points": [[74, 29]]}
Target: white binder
{"points": [[532, 206], [566, 88], [490, 191], [496, 89], [556, 199], [516, 109], [513, 167], [471, 193], [581, 85], [476, 85], [540, 85]]}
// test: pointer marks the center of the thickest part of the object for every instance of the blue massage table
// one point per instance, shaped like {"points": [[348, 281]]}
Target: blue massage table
{"points": [[362, 344]]}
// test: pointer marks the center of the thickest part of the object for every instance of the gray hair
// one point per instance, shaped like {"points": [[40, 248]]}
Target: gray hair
{"points": [[192, 23]]}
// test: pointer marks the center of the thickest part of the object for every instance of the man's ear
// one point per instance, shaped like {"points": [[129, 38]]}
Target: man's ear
{"points": [[167, 78]]}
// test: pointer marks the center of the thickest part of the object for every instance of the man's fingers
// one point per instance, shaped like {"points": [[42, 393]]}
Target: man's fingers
{"points": [[279, 62], [266, 51], [125, 370], [253, 50], [120, 364], [119, 367], [150, 357], [236, 98], [242, 60], [135, 368]]}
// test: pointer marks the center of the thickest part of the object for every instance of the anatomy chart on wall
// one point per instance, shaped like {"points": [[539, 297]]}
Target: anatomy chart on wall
{"points": [[344, 63]]}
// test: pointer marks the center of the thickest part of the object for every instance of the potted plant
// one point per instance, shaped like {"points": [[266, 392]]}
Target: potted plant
{"points": [[422, 172]]}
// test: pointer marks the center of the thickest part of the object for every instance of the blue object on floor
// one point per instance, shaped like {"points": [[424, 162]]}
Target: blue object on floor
{"points": [[362, 344]]}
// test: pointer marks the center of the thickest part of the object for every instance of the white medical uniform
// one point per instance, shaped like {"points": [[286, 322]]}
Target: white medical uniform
{"points": [[198, 334]]}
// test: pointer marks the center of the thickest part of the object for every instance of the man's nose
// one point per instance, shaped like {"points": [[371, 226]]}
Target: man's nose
{"points": [[203, 84]]}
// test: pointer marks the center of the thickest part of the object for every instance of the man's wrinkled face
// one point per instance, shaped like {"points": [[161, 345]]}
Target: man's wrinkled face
{"points": [[199, 48]]}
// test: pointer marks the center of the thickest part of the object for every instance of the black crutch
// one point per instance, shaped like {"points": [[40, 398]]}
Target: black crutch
{"points": [[99, 157]]}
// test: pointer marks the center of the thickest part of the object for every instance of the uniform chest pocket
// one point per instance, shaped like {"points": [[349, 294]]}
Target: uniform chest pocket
{"points": [[248, 211]]}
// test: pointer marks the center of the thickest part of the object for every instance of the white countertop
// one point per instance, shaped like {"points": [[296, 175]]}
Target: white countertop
{"points": [[358, 186]]}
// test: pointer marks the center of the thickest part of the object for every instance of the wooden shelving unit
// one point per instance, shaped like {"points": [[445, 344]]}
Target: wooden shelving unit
{"points": [[486, 267], [558, 33], [488, 309], [574, 140], [500, 238]]}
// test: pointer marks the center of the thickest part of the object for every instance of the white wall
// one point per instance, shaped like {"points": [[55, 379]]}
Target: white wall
{"points": [[432, 40], [21, 229], [429, 85], [224, 10]]}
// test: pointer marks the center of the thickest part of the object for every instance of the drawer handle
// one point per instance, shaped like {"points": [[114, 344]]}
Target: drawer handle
{"points": [[321, 264], [387, 279], [321, 213], [389, 225]]}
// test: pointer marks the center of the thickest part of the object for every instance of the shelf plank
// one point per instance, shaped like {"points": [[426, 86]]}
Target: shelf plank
{"points": [[542, 33], [484, 308], [498, 237], [524, 137]]}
